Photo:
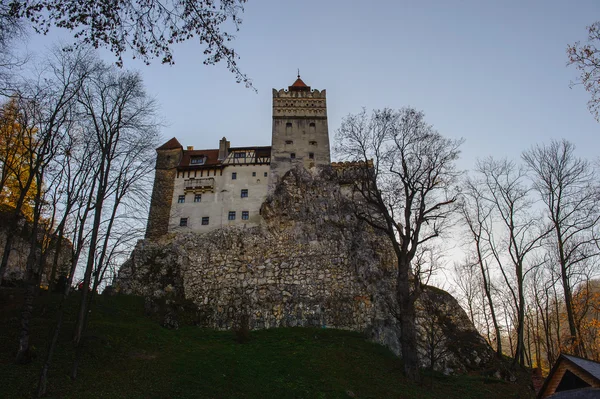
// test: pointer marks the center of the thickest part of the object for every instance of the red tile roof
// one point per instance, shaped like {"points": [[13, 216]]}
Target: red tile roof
{"points": [[170, 145], [212, 156], [299, 85]]}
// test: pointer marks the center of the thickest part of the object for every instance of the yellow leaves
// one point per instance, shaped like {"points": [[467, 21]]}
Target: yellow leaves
{"points": [[16, 158]]}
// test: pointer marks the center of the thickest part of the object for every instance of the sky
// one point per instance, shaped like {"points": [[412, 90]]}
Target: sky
{"points": [[493, 73]]}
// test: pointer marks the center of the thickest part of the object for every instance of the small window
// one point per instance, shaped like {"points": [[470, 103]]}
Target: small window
{"points": [[265, 174], [245, 215], [245, 193], [181, 199], [312, 142], [312, 124], [311, 155], [239, 155], [231, 215], [197, 197], [253, 174], [289, 142], [293, 155], [233, 176], [205, 221], [288, 125], [183, 222], [197, 160]]}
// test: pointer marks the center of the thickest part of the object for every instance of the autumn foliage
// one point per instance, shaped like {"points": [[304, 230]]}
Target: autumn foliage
{"points": [[15, 159]]}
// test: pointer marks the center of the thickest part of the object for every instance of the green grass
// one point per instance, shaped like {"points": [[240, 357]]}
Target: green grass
{"points": [[128, 355]]}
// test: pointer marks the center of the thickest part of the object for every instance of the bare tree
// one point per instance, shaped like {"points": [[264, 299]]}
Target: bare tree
{"points": [[11, 30], [477, 213], [406, 171], [45, 107], [586, 58], [121, 122], [80, 171], [523, 233], [567, 186]]}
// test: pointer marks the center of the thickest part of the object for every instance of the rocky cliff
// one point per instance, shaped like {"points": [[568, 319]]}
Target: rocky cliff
{"points": [[311, 263]]}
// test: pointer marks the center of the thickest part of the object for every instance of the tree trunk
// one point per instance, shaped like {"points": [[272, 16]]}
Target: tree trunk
{"points": [[408, 331]]}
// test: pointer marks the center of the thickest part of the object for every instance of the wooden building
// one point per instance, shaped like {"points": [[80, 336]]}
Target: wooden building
{"points": [[572, 377]]}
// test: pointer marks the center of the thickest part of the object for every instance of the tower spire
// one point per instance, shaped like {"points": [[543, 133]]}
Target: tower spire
{"points": [[298, 73]]}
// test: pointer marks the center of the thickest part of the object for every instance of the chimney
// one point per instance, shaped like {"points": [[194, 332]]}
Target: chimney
{"points": [[223, 149], [190, 147]]}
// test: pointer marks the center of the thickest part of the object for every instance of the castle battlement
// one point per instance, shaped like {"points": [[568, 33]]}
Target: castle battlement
{"points": [[205, 189]]}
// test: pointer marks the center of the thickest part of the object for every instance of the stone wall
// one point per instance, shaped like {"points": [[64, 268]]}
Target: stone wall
{"points": [[162, 191], [299, 128], [15, 272], [311, 263]]}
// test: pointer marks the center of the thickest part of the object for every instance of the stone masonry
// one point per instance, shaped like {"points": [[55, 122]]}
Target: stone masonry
{"points": [[310, 263]]}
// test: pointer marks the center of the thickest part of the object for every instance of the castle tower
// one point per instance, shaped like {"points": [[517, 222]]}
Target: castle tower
{"points": [[300, 133], [168, 157]]}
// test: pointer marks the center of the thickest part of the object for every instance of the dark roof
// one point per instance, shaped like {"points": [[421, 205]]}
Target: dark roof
{"points": [[588, 365], [212, 156], [170, 145], [584, 393]]}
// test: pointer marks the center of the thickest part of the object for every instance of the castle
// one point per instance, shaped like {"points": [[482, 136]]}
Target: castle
{"points": [[202, 190], [304, 258]]}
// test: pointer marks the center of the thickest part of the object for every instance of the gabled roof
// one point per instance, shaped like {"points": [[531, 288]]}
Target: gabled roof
{"points": [[585, 366], [170, 145], [588, 365]]}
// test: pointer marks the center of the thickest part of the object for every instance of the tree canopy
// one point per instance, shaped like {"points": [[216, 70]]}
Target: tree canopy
{"points": [[149, 28]]}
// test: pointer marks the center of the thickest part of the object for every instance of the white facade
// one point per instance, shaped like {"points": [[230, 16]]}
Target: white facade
{"points": [[231, 194]]}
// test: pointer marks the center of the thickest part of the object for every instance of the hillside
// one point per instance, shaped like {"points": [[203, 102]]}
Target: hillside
{"points": [[129, 355]]}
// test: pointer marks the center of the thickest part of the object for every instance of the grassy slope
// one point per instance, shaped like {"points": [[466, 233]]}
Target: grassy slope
{"points": [[130, 356]]}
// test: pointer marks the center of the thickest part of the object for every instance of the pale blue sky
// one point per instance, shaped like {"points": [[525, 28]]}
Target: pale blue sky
{"points": [[492, 72]]}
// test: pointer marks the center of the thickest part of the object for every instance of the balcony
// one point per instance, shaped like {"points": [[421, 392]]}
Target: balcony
{"points": [[202, 184]]}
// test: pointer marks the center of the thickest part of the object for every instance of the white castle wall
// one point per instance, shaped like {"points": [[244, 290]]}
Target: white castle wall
{"points": [[225, 197]]}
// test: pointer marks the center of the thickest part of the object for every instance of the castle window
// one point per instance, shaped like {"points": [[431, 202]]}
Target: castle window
{"points": [[265, 174], [293, 155], [289, 142], [312, 142], [239, 155], [312, 124], [311, 155], [231, 215], [253, 174], [233, 176], [198, 198], [312, 127], [181, 199], [205, 221], [288, 125], [183, 222], [199, 160], [245, 193], [245, 215]]}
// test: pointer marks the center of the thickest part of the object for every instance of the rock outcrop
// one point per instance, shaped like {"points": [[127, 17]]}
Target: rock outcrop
{"points": [[311, 263]]}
